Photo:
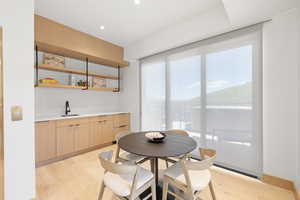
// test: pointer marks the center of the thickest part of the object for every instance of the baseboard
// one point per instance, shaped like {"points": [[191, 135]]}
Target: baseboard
{"points": [[282, 183], [279, 182]]}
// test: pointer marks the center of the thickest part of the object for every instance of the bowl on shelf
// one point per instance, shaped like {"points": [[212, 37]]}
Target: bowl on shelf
{"points": [[155, 136]]}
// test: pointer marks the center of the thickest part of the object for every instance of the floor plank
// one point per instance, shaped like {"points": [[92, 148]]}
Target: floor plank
{"points": [[78, 178]]}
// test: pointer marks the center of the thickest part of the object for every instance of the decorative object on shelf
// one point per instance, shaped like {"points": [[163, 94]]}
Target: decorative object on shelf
{"points": [[49, 81], [99, 83], [156, 137], [72, 80], [81, 83], [55, 60], [90, 82]]}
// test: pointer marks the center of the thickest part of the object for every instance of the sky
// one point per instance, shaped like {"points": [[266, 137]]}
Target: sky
{"points": [[224, 69]]}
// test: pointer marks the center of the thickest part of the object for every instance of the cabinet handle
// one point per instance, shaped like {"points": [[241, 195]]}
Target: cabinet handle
{"points": [[77, 124], [71, 125], [122, 126]]}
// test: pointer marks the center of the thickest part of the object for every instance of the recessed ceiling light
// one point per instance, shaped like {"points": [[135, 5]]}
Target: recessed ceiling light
{"points": [[137, 2], [102, 27]]}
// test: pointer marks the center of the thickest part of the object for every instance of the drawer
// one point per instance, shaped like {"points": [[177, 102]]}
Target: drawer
{"points": [[101, 118], [122, 129], [122, 120], [71, 122]]}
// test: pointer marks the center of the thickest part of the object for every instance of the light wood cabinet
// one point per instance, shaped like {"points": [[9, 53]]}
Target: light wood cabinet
{"points": [[102, 130], [63, 138], [45, 141], [82, 136], [56, 38], [121, 123], [96, 133], [72, 135], [108, 131]]}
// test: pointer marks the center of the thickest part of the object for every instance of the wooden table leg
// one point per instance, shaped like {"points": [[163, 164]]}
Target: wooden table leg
{"points": [[152, 165], [154, 170]]}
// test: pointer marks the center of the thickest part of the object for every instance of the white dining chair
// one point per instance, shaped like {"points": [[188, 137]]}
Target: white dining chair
{"points": [[190, 177], [126, 156], [125, 180]]}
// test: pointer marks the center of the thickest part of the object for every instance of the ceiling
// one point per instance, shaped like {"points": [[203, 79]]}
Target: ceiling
{"points": [[124, 21], [249, 12]]}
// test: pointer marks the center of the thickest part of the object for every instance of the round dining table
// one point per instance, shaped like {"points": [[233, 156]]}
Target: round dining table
{"points": [[173, 145]]}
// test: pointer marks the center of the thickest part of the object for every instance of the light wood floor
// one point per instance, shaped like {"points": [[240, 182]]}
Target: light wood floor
{"points": [[78, 178]]}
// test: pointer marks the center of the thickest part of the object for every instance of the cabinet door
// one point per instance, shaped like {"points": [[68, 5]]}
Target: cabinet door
{"points": [[108, 131], [65, 140], [45, 141], [96, 133], [82, 136]]}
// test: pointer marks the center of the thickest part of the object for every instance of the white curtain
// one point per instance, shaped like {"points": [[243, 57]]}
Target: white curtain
{"points": [[212, 89]]}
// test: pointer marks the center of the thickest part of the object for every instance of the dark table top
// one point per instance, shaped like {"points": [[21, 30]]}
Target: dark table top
{"points": [[173, 145]]}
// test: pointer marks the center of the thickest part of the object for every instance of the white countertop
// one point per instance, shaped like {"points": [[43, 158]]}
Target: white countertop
{"points": [[58, 117]]}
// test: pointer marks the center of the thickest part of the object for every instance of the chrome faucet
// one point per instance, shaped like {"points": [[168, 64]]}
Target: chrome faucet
{"points": [[67, 108]]}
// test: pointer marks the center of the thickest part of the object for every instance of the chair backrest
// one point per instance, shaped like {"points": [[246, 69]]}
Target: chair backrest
{"points": [[121, 134], [206, 153], [178, 131], [108, 165], [208, 157], [206, 163]]}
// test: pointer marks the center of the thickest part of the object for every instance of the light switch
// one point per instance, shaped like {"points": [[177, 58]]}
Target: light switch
{"points": [[16, 113]]}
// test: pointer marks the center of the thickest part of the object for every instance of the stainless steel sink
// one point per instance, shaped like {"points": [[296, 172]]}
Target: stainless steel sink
{"points": [[71, 115]]}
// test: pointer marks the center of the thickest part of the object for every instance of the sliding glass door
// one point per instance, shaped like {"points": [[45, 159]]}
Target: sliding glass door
{"points": [[184, 92], [153, 95], [229, 107], [213, 92]]}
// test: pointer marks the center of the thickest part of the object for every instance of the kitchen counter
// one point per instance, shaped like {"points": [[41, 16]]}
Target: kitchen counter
{"points": [[49, 118]]}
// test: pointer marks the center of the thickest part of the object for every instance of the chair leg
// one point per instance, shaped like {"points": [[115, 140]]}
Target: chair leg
{"points": [[165, 190], [153, 190], [212, 191], [101, 192]]}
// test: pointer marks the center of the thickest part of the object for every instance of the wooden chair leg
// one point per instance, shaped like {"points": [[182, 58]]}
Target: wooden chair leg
{"points": [[212, 191], [153, 190], [165, 190], [101, 192]]}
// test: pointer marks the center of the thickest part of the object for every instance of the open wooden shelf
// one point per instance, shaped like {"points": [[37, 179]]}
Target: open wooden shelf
{"points": [[59, 86], [74, 71], [74, 87], [58, 50], [105, 89]]}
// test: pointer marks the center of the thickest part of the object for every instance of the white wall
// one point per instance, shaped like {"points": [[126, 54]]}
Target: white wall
{"points": [[16, 17], [281, 80], [129, 97], [202, 26], [281, 102]]}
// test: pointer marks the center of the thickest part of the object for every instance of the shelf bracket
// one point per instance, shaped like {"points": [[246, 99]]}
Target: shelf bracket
{"points": [[36, 67], [86, 74]]}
